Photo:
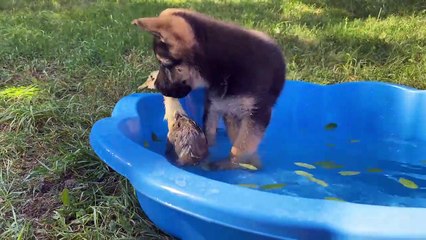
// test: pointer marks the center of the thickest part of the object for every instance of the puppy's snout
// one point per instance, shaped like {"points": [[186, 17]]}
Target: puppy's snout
{"points": [[171, 85]]}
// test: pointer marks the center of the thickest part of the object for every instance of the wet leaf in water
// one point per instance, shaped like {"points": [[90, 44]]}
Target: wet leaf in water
{"points": [[305, 165], [248, 166], [303, 173], [423, 161], [154, 137], [273, 186], [318, 181], [349, 173], [334, 199], [328, 164], [248, 185], [330, 145], [408, 183], [146, 144], [205, 166], [374, 170], [355, 141], [330, 126]]}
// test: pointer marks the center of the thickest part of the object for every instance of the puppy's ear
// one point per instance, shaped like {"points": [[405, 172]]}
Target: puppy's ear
{"points": [[172, 30], [154, 25]]}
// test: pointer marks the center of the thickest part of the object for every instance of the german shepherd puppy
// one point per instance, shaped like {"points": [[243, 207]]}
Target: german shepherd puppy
{"points": [[243, 71]]}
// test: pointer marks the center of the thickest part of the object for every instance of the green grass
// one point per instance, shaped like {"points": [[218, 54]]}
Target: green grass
{"points": [[64, 64]]}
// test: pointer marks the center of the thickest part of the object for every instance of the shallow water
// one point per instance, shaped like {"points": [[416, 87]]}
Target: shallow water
{"points": [[372, 170]]}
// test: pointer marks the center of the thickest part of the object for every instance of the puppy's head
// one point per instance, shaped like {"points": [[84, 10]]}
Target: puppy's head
{"points": [[174, 44]]}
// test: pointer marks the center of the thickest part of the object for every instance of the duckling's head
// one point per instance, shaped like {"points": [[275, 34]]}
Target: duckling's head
{"points": [[150, 81]]}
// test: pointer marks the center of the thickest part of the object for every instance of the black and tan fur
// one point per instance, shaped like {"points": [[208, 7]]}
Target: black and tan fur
{"points": [[244, 71]]}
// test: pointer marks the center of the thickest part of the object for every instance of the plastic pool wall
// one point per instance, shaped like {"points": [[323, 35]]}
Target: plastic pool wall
{"points": [[378, 126]]}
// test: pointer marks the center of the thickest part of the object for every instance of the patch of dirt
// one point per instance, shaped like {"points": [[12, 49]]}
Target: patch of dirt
{"points": [[40, 206], [112, 186], [33, 151], [47, 197]]}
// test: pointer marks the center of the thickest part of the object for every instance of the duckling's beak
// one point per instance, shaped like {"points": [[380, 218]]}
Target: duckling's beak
{"points": [[150, 82], [145, 86]]}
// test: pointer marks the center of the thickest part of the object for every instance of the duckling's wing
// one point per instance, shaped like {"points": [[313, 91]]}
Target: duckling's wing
{"points": [[196, 137], [193, 125]]}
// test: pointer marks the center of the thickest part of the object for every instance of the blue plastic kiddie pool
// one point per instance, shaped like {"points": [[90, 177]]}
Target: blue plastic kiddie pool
{"points": [[340, 161]]}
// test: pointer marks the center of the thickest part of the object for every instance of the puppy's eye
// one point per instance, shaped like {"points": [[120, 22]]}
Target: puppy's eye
{"points": [[179, 70]]}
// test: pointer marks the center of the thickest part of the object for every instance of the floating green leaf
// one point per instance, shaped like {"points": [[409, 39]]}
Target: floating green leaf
{"points": [[330, 145], [273, 186], [146, 144], [318, 181], [65, 197], [248, 185], [328, 164], [305, 165], [154, 137], [355, 141], [374, 170], [334, 199], [303, 173], [330, 126], [349, 173], [408, 183], [423, 161], [248, 166]]}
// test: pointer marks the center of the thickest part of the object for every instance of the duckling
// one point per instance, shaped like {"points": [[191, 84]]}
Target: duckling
{"points": [[186, 142]]}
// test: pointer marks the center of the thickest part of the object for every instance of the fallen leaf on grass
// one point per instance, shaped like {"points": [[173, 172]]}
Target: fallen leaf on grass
{"points": [[65, 197]]}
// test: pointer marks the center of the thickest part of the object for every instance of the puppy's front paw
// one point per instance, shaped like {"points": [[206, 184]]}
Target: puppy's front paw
{"points": [[220, 165], [247, 161]]}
